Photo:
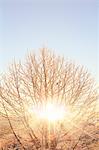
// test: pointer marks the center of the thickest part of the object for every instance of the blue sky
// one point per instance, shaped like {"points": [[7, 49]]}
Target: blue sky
{"points": [[69, 27]]}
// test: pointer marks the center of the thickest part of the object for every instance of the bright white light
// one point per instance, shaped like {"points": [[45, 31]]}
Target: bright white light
{"points": [[49, 111], [52, 112]]}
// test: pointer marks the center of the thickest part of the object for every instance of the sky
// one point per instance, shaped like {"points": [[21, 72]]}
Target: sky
{"points": [[68, 27]]}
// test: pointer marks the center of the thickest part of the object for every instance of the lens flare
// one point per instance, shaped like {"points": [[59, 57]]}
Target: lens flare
{"points": [[50, 111]]}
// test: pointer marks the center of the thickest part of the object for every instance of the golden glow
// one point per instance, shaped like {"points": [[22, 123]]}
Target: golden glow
{"points": [[49, 111], [97, 106], [52, 112]]}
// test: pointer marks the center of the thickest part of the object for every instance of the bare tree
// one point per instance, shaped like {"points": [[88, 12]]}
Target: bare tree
{"points": [[40, 79]]}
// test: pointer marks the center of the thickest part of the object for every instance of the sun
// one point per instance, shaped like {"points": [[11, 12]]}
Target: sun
{"points": [[49, 111], [52, 112]]}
